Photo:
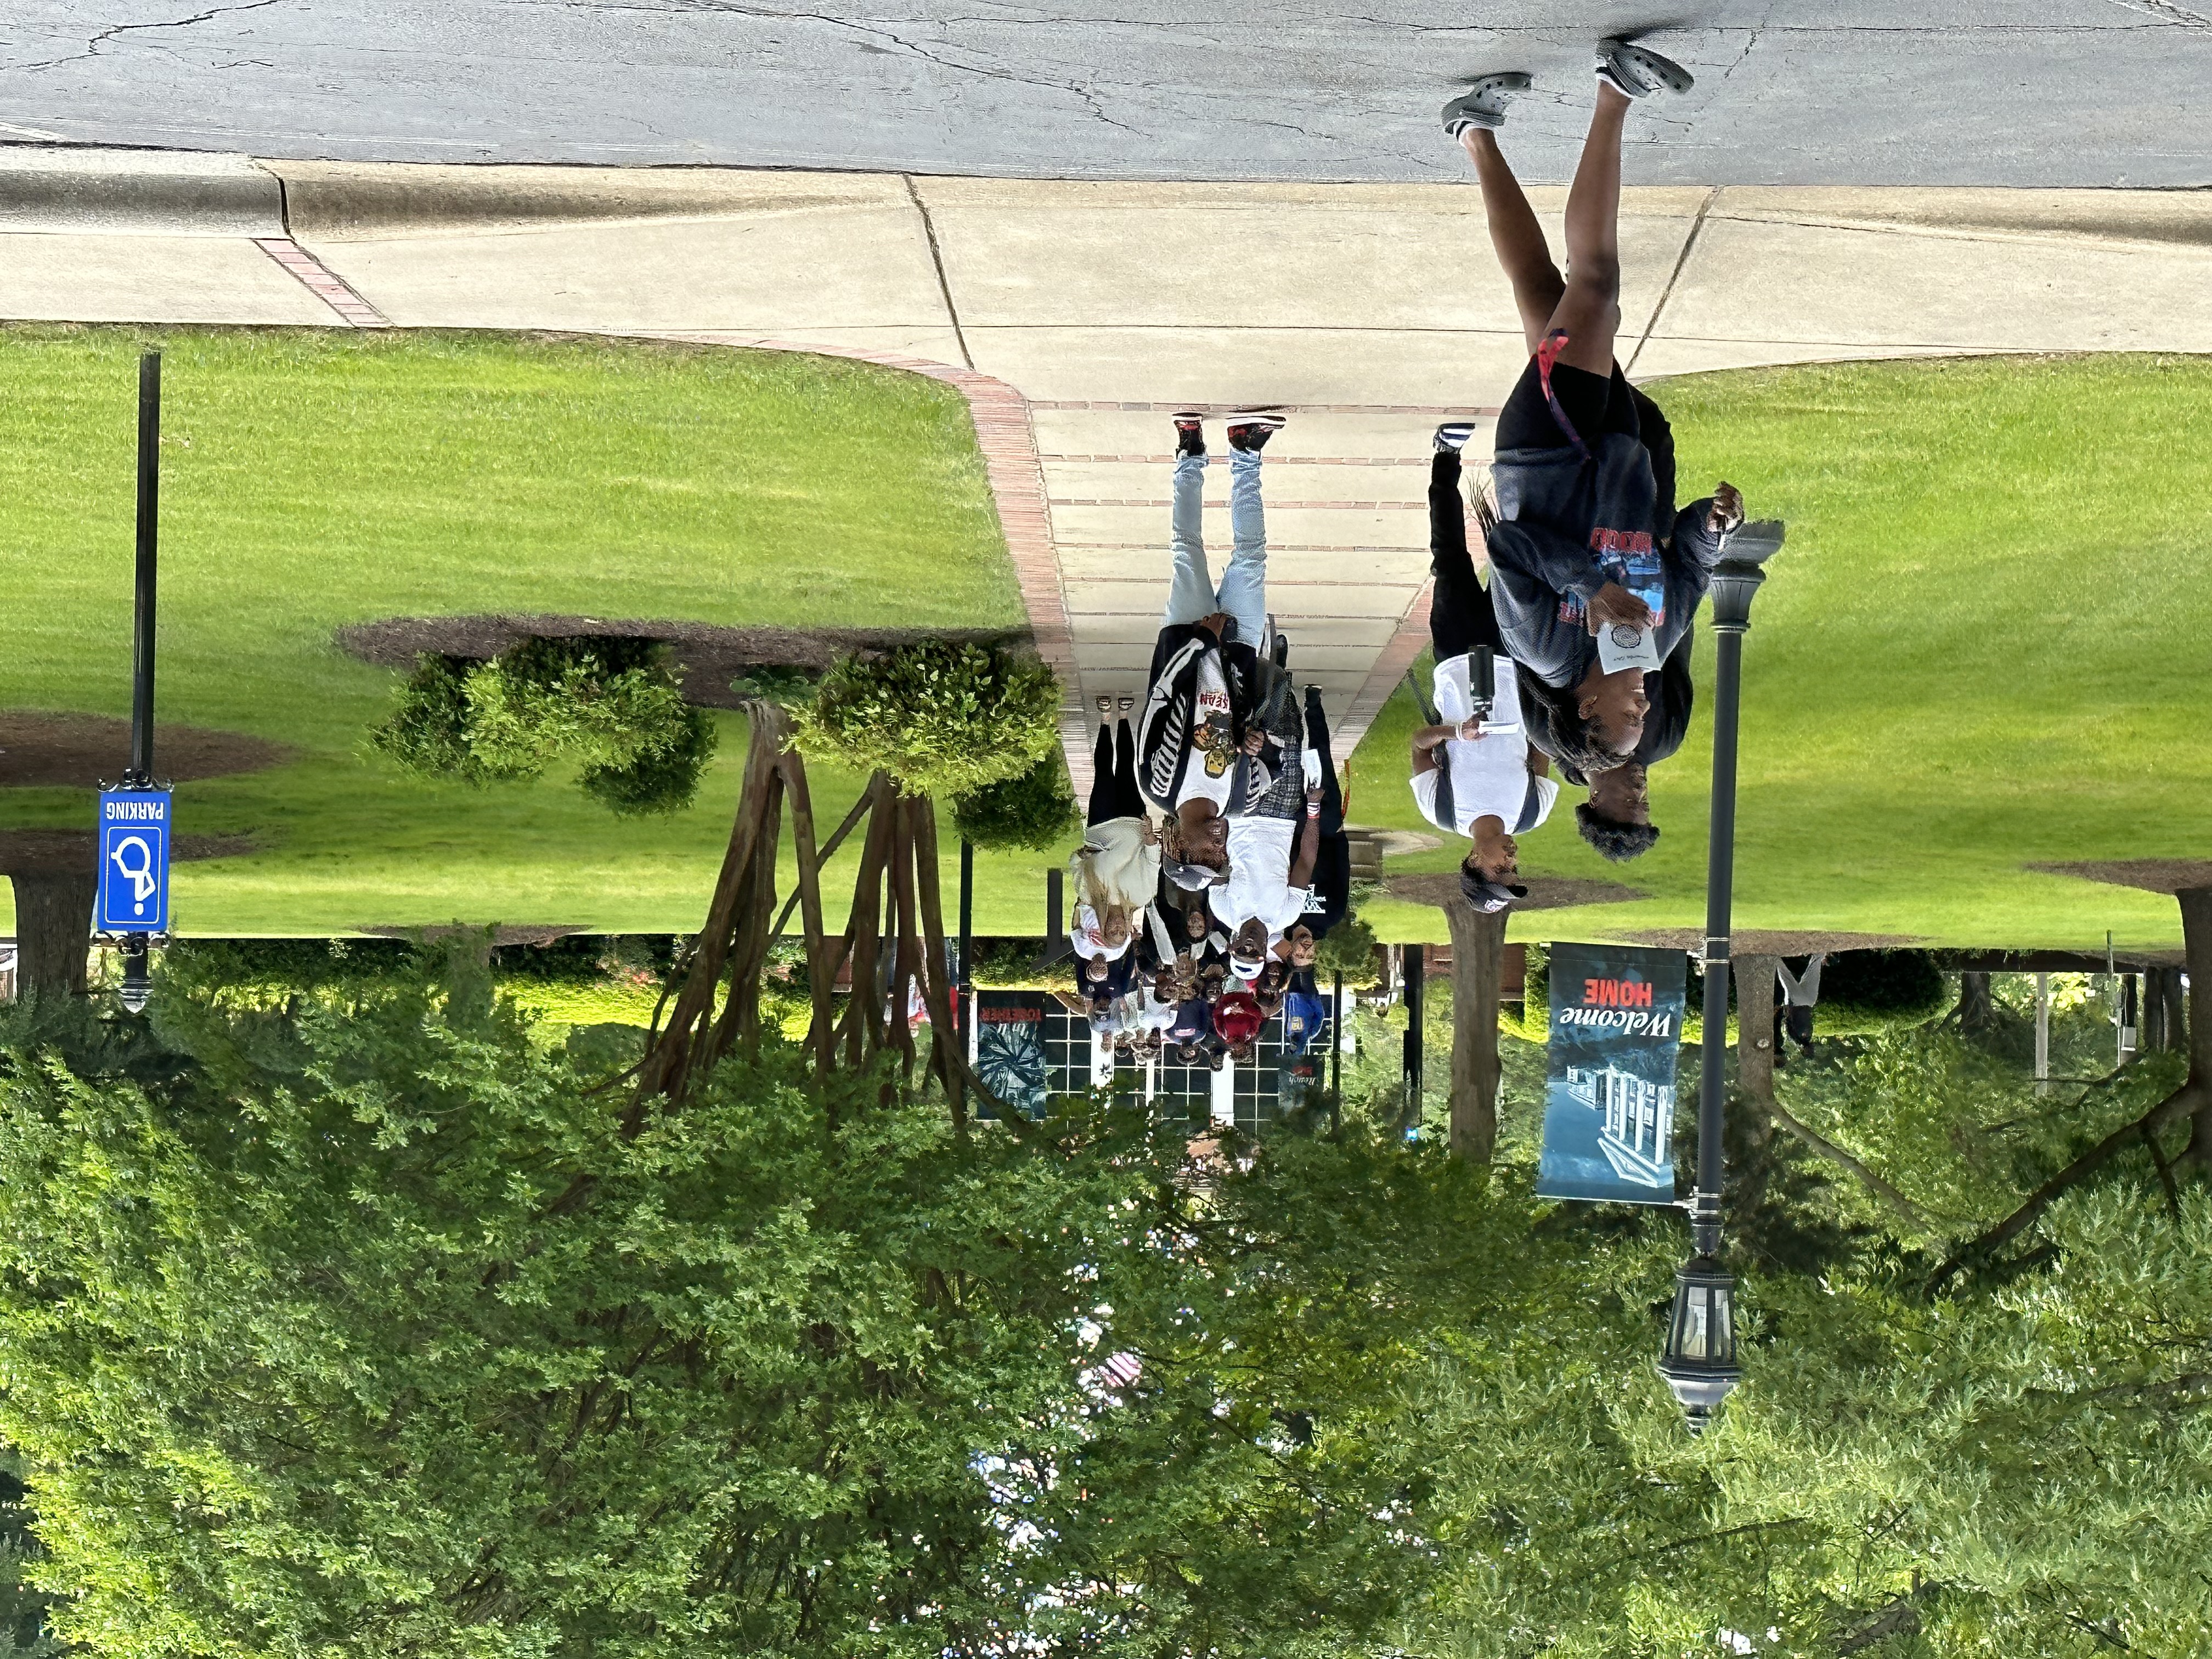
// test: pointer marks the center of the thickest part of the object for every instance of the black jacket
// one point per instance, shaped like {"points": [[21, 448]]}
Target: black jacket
{"points": [[1556, 511], [1171, 717]]}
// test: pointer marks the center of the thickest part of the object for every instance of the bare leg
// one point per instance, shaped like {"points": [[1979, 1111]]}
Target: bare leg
{"points": [[1522, 254], [1590, 310]]}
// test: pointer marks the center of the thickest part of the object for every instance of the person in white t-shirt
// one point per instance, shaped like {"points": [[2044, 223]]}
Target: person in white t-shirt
{"points": [[1489, 788], [1271, 872]]}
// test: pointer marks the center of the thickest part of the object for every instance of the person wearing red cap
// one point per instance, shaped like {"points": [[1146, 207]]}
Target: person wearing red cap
{"points": [[1238, 1020]]}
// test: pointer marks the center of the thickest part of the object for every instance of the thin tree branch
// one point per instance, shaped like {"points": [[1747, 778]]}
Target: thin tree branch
{"points": [[2183, 1101], [1913, 1213]]}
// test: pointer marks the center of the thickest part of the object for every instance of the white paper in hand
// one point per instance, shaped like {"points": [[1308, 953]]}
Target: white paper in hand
{"points": [[1619, 646]]}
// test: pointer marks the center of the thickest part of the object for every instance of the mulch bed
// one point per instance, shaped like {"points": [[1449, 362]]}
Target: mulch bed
{"points": [[2150, 875], [41, 749], [1755, 943], [77, 852], [502, 935], [1440, 887], [709, 656]]}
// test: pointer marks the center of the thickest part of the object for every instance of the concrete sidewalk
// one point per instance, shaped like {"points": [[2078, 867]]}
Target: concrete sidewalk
{"points": [[1370, 311]]}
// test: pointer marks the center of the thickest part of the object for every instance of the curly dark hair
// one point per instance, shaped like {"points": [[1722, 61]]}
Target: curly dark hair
{"points": [[1552, 715], [1613, 839]]}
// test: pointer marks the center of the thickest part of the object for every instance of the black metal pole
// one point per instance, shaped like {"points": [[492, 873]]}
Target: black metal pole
{"points": [[1720, 877], [1336, 1037], [141, 775], [964, 981], [1415, 961]]}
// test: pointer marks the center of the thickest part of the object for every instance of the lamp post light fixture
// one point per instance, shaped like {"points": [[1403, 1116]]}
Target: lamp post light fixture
{"points": [[1700, 1363]]}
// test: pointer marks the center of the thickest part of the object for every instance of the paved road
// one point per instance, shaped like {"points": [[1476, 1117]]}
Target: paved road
{"points": [[2033, 92]]}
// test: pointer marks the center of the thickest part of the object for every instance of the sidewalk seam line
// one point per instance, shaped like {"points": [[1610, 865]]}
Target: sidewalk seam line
{"points": [[937, 263], [1682, 260]]}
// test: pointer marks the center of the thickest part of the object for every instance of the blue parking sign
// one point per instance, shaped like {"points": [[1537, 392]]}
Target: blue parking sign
{"points": [[134, 862]]}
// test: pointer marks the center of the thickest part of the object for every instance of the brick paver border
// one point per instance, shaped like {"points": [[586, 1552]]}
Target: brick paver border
{"points": [[326, 284]]}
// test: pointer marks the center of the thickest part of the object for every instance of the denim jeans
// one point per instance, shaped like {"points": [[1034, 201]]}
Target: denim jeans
{"points": [[1243, 590]]}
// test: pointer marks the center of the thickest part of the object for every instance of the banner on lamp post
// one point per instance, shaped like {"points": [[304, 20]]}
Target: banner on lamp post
{"points": [[1609, 1093]]}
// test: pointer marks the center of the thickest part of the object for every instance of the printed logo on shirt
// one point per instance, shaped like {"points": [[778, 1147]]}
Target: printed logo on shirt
{"points": [[1628, 557], [1213, 738]]}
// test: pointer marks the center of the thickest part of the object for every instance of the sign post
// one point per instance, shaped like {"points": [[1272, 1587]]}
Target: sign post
{"points": [[135, 820]]}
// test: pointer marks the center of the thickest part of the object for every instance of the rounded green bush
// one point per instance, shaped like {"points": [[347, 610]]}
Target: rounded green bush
{"points": [[1034, 810], [660, 781], [609, 704], [1349, 949], [943, 719]]}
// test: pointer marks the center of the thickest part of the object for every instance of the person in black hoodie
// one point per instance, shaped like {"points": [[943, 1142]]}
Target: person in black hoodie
{"points": [[1202, 757], [1584, 469]]}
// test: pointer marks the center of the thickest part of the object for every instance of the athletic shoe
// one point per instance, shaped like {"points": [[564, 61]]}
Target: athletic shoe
{"points": [[1249, 431], [1637, 71], [1127, 702], [1190, 434], [1452, 436], [1105, 705], [1483, 103]]}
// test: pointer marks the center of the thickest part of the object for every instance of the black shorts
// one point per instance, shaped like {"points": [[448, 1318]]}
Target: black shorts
{"points": [[1596, 404]]}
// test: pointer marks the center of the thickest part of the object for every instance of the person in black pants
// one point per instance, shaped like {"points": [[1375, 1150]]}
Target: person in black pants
{"points": [[1489, 785], [1114, 772], [1331, 898], [1116, 870]]}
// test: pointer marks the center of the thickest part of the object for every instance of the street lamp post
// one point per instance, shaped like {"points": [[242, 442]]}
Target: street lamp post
{"points": [[1700, 1363]]}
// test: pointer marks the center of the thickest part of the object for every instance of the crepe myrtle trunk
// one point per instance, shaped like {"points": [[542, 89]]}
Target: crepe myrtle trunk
{"points": [[1754, 1022], [53, 932], [2166, 1015], [1976, 1011], [1477, 977]]}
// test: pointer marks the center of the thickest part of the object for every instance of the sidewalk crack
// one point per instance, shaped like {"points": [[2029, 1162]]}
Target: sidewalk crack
{"points": [[92, 45]]}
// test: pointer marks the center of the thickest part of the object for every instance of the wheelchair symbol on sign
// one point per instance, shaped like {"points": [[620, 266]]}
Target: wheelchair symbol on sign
{"points": [[141, 879]]}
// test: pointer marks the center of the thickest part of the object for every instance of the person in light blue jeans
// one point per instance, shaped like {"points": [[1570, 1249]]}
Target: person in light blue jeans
{"points": [[1202, 757], [1242, 595]]}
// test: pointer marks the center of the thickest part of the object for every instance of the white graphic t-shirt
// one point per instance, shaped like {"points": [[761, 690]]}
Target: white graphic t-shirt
{"points": [[1213, 742]]}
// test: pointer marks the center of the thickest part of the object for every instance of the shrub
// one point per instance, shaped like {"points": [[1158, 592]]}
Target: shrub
{"points": [[428, 732], [608, 703], [662, 782], [1349, 949], [776, 683], [1004, 965], [605, 702], [942, 719], [1035, 809]]}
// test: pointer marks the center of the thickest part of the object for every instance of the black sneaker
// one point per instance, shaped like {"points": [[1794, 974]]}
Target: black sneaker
{"points": [[1452, 436], [1190, 434], [1250, 430]]}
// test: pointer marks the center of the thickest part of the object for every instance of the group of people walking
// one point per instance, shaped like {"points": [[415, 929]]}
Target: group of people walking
{"points": [[1216, 857]]}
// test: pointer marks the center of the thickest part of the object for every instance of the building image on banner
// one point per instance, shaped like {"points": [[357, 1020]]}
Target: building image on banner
{"points": [[1616, 1029]]}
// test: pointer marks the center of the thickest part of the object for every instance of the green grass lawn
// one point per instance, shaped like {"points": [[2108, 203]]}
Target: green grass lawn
{"points": [[1985, 646], [314, 479]]}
